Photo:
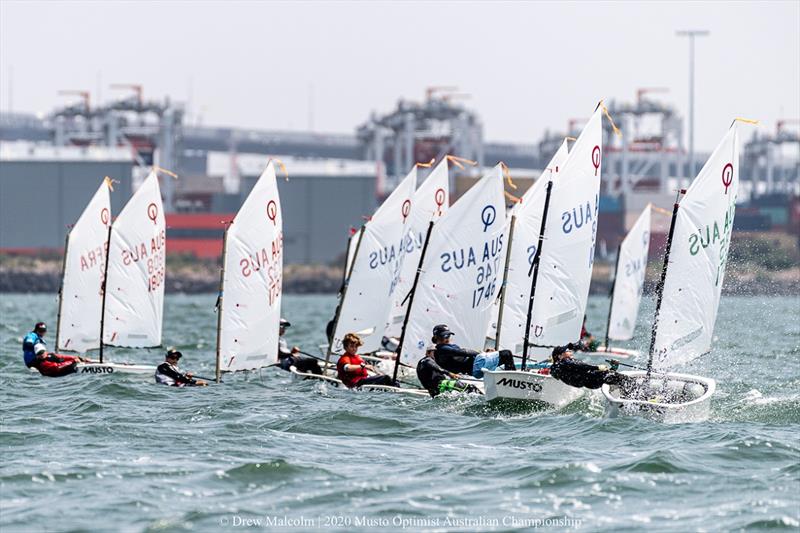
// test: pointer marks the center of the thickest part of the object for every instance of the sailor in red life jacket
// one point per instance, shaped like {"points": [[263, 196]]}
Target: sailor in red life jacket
{"points": [[34, 351], [352, 370]]}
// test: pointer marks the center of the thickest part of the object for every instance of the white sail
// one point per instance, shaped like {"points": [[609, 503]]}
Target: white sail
{"points": [[528, 223], [699, 251], [136, 270], [376, 268], [81, 295], [562, 288], [462, 270], [430, 202], [252, 281], [629, 279]]}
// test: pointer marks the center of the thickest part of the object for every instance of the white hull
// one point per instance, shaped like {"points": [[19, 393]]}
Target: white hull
{"points": [[612, 351], [528, 386], [105, 369], [690, 398], [297, 376]]}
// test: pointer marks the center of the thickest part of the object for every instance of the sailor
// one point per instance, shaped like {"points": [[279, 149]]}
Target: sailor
{"points": [[588, 343], [292, 358], [351, 369], [34, 351], [578, 374], [167, 372], [453, 358], [438, 380]]}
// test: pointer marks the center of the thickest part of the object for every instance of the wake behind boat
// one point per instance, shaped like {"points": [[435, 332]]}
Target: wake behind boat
{"points": [[669, 398]]}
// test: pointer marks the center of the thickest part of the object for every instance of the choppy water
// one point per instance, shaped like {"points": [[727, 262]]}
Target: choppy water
{"points": [[259, 451]]}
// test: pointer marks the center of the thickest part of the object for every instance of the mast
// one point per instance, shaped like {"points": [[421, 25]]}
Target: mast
{"points": [[611, 292], [105, 287], [61, 292], [411, 300], [505, 283], [344, 294], [218, 371], [660, 286], [344, 267], [535, 268]]}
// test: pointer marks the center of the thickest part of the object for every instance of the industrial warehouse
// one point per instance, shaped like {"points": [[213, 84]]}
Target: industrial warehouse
{"points": [[67, 151]]}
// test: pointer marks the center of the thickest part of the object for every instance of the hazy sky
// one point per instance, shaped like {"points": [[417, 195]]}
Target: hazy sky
{"points": [[527, 66]]}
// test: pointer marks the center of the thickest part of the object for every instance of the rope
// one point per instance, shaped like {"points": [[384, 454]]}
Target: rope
{"points": [[611, 120], [282, 167], [458, 160], [165, 171], [110, 182], [429, 164], [507, 174], [661, 210]]}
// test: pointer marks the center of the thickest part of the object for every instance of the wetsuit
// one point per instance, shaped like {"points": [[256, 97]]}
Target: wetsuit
{"points": [[302, 363], [436, 379], [577, 374], [359, 377], [167, 374], [50, 365]]}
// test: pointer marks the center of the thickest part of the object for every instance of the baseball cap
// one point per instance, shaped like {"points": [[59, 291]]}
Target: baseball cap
{"points": [[285, 323], [172, 352], [442, 330]]}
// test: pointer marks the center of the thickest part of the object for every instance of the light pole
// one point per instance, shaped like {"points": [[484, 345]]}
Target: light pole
{"points": [[691, 34]]}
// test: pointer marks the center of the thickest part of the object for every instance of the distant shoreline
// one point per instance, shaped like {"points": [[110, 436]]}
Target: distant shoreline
{"points": [[36, 275]]}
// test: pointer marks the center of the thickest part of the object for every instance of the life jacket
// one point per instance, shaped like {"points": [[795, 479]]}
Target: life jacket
{"points": [[31, 344], [350, 379]]}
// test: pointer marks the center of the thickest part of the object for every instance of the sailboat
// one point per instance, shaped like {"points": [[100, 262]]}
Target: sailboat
{"points": [[550, 282], [460, 271], [251, 281], [687, 296], [80, 300], [626, 288], [133, 299]]}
